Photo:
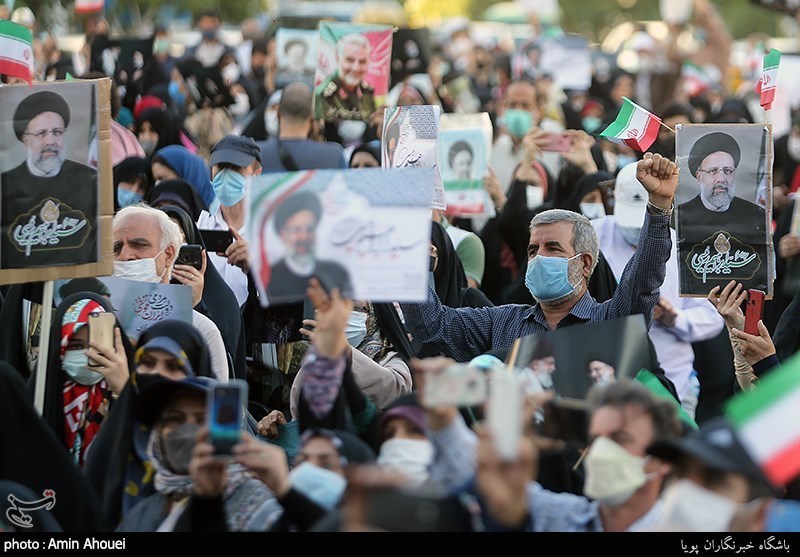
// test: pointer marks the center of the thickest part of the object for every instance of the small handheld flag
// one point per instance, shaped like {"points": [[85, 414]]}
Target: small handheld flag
{"points": [[16, 51], [768, 81], [634, 127]]}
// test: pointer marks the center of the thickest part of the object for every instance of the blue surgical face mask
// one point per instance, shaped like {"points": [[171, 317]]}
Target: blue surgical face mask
{"points": [[356, 329], [76, 363], [322, 486], [517, 122], [630, 234], [593, 210], [624, 160], [591, 123], [126, 197], [547, 278], [229, 186], [175, 92]]}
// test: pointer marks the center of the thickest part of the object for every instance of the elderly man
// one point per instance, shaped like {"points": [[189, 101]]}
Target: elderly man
{"points": [[146, 244], [722, 236], [345, 95], [49, 210], [562, 254]]}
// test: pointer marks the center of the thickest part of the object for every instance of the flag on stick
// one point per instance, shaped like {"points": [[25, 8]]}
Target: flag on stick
{"points": [[634, 127], [768, 81], [767, 420], [16, 51]]}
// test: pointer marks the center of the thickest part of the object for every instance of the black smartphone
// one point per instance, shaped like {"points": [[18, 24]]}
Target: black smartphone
{"points": [[192, 255], [566, 419], [217, 241], [226, 407]]}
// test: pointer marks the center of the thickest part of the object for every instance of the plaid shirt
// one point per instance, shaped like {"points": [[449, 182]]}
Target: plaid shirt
{"points": [[463, 333]]}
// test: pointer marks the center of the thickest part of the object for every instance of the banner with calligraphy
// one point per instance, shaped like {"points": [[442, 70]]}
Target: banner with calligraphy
{"points": [[56, 181], [465, 149], [570, 360], [364, 231], [723, 207]]}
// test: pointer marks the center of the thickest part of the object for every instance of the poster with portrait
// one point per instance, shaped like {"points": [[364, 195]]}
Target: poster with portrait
{"points": [[465, 149], [296, 52], [364, 231], [570, 360], [353, 65], [410, 140], [138, 305], [411, 53], [723, 207], [55, 208]]}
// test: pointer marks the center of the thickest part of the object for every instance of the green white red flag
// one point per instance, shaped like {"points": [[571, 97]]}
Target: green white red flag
{"points": [[768, 81], [16, 50], [634, 126], [767, 420]]}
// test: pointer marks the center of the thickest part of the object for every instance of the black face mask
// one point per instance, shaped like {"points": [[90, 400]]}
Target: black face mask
{"points": [[144, 380], [177, 447]]}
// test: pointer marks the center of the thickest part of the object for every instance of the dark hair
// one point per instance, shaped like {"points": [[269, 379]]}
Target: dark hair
{"points": [[628, 392], [456, 148], [296, 102]]}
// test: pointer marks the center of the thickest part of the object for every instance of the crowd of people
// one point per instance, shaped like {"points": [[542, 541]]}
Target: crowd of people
{"points": [[336, 434]]}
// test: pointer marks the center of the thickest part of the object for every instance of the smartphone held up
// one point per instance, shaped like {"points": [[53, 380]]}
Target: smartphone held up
{"points": [[226, 409]]}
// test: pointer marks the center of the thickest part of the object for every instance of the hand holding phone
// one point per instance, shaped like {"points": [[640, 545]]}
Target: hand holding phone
{"points": [[455, 385], [225, 415], [556, 142], [192, 255], [754, 311], [101, 331], [505, 412], [216, 241]]}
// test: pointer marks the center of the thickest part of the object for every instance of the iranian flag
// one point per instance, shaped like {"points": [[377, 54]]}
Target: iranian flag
{"points": [[768, 81], [16, 52], [767, 420], [89, 6], [634, 127]]}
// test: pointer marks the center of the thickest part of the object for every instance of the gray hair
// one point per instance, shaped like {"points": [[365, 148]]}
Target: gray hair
{"points": [[584, 236], [356, 39], [170, 231]]}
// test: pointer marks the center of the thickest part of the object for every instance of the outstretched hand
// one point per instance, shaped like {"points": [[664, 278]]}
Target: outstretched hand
{"points": [[659, 176]]}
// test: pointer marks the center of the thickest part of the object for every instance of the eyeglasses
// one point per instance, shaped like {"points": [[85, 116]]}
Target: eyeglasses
{"points": [[55, 132], [727, 170]]}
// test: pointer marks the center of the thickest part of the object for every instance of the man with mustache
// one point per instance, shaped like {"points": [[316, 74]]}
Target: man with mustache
{"points": [[296, 221], [716, 216], [346, 95], [49, 208]]}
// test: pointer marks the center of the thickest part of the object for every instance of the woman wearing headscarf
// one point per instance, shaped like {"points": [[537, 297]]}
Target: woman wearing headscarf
{"points": [[178, 193], [157, 128], [34, 457], [77, 396], [366, 155], [174, 411], [118, 467], [133, 180], [218, 300], [175, 161]]}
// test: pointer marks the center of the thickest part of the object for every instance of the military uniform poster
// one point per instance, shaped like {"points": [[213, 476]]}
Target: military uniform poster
{"points": [[723, 207], [353, 68], [55, 181], [296, 51]]}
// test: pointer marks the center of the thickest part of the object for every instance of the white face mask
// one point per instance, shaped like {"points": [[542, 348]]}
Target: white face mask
{"points": [[356, 329], [322, 486], [75, 363], [231, 73], [630, 235], [351, 130], [271, 122], [534, 196], [612, 474], [691, 508], [241, 106], [143, 270], [411, 457], [793, 146], [593, 210]]}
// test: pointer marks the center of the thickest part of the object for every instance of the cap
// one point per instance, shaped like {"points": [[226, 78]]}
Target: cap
{"points": [[23, 16], [236, 150], [630, 198], [713, 143], [405, 406], [155, 396], [171, 347], [33, 105], [716, 445]]}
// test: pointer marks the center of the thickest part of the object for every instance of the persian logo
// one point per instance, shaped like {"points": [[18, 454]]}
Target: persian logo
{"points": [[152, 307], [729, 255], [633, 132], [16, 513], [40, 227]]}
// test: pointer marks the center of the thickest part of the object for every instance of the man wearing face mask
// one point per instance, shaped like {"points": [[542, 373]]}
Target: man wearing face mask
{"points": [[210, 49], [622, 485], [562, 255], [146, 243], [234, 161], [714, 486], [520, 112], [677, 321], [292, 149]]}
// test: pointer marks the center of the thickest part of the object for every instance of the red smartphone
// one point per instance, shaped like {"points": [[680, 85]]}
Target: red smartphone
{"points": [[754, 310], [558, 142]]}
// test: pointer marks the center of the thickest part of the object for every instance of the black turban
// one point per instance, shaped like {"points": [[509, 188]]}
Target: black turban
{"points": [[303, 201], [33, 105], [712, 143]]}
